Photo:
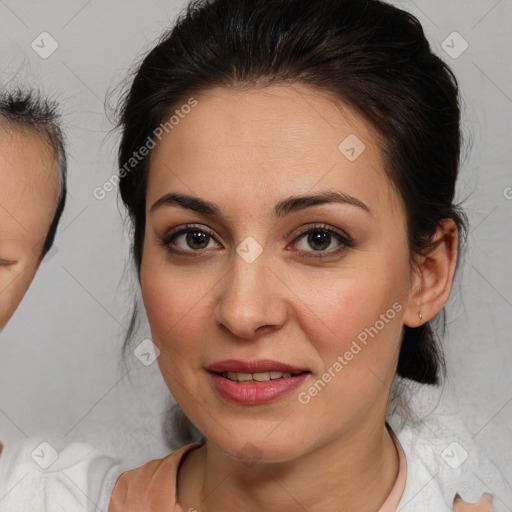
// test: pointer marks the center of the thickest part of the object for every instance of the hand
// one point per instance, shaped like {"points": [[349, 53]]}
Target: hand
{"points": [[483, 505]]}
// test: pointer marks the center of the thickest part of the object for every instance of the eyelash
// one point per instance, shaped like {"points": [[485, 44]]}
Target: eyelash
{"points": [[346, 241]]}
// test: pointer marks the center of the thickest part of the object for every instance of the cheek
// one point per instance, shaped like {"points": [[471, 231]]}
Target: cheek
{"points": [[175, 304], [360, 312]]}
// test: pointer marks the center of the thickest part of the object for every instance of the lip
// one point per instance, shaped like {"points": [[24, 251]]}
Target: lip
{"points": [[254, 366], [254, 393]]}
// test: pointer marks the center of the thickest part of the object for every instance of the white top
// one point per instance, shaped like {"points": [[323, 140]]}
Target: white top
{"points": [[442, 459], [445, 459], [34, 477]]}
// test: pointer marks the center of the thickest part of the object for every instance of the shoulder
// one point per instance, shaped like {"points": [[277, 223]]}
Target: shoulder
{"points": [[151, 486], [444, 457], [38, 476]]}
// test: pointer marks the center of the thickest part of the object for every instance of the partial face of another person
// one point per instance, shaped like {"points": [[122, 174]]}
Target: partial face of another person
{"points": [[324, 288], [29, 181]]}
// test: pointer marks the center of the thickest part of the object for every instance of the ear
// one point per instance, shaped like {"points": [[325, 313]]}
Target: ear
{"points": [[433, 276]]}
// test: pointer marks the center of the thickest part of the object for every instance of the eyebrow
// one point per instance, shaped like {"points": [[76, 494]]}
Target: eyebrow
{"points": [[281, 209]]}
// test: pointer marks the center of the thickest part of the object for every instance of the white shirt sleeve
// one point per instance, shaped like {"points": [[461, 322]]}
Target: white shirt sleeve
{"points": [[36, 477], [444, 458]]}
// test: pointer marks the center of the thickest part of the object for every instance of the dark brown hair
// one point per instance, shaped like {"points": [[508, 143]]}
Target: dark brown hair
{"points": [[27, 109], [371, 55]]}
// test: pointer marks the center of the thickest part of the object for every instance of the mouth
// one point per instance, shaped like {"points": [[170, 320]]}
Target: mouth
{"points": [[258, 376], [258, 370], [255, 382]]}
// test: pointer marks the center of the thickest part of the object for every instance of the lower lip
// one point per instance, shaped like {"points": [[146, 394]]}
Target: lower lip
{"points": [[256, 392]]}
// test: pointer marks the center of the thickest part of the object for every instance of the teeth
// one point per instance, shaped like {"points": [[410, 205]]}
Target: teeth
{"points": [[258, 377]]}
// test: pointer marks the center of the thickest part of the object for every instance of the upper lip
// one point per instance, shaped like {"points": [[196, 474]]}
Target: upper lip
{"points": [[254, 366]]}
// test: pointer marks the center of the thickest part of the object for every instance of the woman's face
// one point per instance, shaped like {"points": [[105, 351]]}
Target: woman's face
{"points": [[247, 284], [28, 195]]}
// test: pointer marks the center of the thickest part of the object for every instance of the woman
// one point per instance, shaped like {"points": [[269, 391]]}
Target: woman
{"points": [[289, 169]]}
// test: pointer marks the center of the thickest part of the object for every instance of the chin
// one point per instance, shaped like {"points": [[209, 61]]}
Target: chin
{"points": [[252, 449]]}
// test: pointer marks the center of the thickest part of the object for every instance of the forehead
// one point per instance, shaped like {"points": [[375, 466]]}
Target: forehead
{"points": [[277, 139], [29, 181]]}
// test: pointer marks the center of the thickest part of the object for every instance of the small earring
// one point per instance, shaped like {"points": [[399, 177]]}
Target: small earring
{"points": [[421, 317]]}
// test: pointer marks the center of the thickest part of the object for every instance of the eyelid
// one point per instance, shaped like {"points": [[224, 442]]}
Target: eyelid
{"points": [[330, 229], [167, 237], [342, 237]]}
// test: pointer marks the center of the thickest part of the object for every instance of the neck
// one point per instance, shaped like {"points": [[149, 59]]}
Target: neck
{"points": [[354, 472]]}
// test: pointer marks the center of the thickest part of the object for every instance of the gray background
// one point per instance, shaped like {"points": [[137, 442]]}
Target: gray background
{"points": [[60, 357]]}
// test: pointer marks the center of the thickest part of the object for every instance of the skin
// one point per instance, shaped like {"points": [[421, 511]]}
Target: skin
{"points": [[28, 197], [245, 150]]}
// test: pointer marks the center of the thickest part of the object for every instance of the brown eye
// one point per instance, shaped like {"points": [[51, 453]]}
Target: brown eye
{"points": [[320, 238], [188, 239]]}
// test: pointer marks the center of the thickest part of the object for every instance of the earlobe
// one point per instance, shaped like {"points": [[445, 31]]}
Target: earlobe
{"points": [[433, 278]]}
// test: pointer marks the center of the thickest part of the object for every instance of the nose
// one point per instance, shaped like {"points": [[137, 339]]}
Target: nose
{"points": [[252, 299]]}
